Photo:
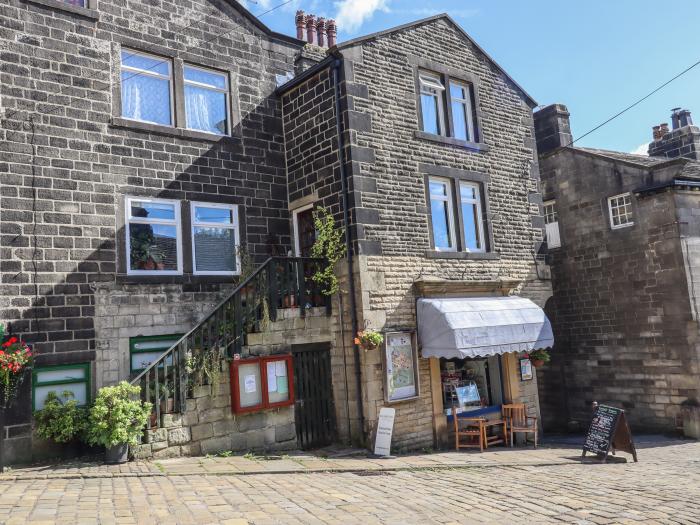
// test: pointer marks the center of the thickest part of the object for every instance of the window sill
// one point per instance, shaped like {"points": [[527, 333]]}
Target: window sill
{"points": [[123, 278], [123, 123], [475, 146], [433, 254], [57, 4]]}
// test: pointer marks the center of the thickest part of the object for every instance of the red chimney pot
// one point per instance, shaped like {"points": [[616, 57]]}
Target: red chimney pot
{"points": [[320, 31], [331, 32], [299, 21], [310, 28]]}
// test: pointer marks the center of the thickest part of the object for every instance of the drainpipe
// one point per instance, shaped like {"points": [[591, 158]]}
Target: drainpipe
{"points": [[348, 243]]}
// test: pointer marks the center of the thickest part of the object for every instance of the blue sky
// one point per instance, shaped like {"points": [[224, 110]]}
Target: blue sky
{"points": [[595, 56]]}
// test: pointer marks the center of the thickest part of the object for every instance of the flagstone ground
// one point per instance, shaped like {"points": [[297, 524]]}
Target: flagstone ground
{"points": [[499, 486]]}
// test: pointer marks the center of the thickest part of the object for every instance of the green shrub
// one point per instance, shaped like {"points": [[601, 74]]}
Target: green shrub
{"points": [[118, 416], [329, 245], [61, 420]]}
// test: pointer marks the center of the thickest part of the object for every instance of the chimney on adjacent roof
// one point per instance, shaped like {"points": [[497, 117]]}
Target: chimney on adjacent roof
{"points": [[299, 21], [320, 31], [552, 128], [682, 140], [310, 28], [331, 30]]}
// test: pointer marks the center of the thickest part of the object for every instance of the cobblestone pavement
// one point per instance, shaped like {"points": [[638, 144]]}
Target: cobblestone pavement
{"points": [[664, 487]]}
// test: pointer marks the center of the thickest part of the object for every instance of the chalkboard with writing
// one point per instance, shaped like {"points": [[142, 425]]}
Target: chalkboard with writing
{"points": [[608, 429]]}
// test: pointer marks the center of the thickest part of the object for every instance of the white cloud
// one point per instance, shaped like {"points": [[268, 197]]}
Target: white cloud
{"points": [[352, 14], [641, 149]]}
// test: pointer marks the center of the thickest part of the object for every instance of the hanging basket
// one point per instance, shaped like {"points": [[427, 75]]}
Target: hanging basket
{"points": [[537, 363], [10, 385]]}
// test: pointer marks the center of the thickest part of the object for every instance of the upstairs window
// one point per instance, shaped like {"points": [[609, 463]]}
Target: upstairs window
{"points": [[462, 112], [146, 88], [206, 100], [620, 208], [442, 215], [78, 3], [551, 224], [153, 237], [470, 198], [432, 97], [215, 239]]}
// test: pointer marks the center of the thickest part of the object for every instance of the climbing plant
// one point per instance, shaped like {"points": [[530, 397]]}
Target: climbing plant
{"points": [[329, 245]]}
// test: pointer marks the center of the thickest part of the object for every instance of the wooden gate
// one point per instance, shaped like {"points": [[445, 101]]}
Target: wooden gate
{"points": [[314, 412]]}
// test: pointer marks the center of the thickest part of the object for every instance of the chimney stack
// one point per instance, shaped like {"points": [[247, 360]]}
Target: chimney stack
{"points": [[552, 128], [682, 140], [663, 128], [310, 29], [299, 21], [331, 32], [320, 31]]}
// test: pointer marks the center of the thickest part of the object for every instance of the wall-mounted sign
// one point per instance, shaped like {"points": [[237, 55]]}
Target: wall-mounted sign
{"points": [[261, 382], [401, 366], [525, 369]]}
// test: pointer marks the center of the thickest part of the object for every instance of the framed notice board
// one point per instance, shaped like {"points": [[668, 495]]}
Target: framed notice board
{"points": [[400, 366], [260, 383]]}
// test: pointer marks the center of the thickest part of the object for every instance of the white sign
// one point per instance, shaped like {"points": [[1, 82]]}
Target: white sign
{"points": [[385, 427], [249, 384]]}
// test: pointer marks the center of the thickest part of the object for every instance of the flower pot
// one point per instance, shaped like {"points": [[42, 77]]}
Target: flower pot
{"points": [[117, 454], [167, 406], [537, 362], [154, 420]]}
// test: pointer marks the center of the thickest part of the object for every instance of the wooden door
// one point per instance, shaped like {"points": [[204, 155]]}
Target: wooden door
{"points": [[314, 411]]}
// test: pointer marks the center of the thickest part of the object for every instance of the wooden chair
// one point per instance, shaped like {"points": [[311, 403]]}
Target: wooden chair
{"points": [[473, 428], [518, 422]]}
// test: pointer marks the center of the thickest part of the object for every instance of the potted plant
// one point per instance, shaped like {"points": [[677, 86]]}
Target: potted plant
{"points": [[167, 401], [369, 339], [539, 357], [690, 412], [16, 360], [328, 245], [61, 420], [117, 419]]}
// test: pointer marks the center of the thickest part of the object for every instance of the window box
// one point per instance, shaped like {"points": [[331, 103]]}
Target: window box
{"points": [[153, 237], [261, 383], [58, 379]]}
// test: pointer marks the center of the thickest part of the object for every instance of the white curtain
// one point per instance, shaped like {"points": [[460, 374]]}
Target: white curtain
{"points": [[131, 100], [197, 106]]}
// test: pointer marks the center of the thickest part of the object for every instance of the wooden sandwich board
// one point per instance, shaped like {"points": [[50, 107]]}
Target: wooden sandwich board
{"points": [[608, 430]]}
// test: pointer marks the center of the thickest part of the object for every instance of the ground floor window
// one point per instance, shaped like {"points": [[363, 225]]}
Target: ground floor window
{"points": [[143, 350], [471, 384], [58, 379]]}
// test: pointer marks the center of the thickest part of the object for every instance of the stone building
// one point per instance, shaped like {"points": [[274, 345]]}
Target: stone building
{"points": [[623, 242], [150, 158]]}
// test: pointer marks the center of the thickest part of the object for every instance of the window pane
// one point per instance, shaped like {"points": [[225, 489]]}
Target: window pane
{"points": [[160, 344], [152, 64], [141, 360], [457, 91], [79, 391], [438, 188], [65, 374], [441, 228], [213, 215], [459, 113], [153, 247], [470, 216], [214, 249], [79, 3], [249, 384], [145, 98], [217, 80], [153, 210], [205, 109], [429, 105], [467, 191]]}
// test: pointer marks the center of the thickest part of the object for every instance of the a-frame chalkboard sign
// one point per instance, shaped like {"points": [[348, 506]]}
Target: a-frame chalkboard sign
{"points": [[608, 430]]}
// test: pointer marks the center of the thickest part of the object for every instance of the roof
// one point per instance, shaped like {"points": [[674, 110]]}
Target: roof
{"points": [[448, 18], [257, 23], [642, 160]]}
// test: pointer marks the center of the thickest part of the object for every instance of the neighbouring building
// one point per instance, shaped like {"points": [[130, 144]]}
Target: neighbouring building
{"points": [[624, 248], [160, 168]]}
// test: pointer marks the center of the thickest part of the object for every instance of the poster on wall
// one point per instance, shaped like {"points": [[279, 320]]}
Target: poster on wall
{"points": [[401, 364], [525, 369]]}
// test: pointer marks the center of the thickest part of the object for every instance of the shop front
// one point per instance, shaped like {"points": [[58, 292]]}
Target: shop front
{"points": [[479, 345]]}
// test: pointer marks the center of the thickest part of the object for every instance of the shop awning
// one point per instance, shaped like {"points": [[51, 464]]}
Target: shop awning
{"points": [[481, 326]]}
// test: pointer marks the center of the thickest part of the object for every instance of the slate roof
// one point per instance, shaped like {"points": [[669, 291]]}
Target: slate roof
{"points": [[642, 160]]}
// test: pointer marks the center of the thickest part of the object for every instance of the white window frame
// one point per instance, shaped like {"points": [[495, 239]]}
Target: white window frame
{"points": [[149, 72], [450, 213], [431, 85], [550, 217], [226, 91], [551, 224], [236, 234], [295, 227], [128, 219], [478, 203], [629, 213], [468, 107]]}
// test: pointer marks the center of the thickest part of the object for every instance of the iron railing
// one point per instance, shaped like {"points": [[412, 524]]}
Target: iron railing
{"points": [[280, 282]]}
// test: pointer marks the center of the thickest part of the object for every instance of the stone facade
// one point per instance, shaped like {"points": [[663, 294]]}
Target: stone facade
{"points": [[624, 323]]}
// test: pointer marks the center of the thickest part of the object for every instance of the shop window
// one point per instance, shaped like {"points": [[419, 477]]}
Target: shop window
{"points": [[144, 350], [215, 238], [551, 224], [471, 384], [206, 100], [153, 237], [261, 383], [146, 87], [620, 207], [58, 379]]}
